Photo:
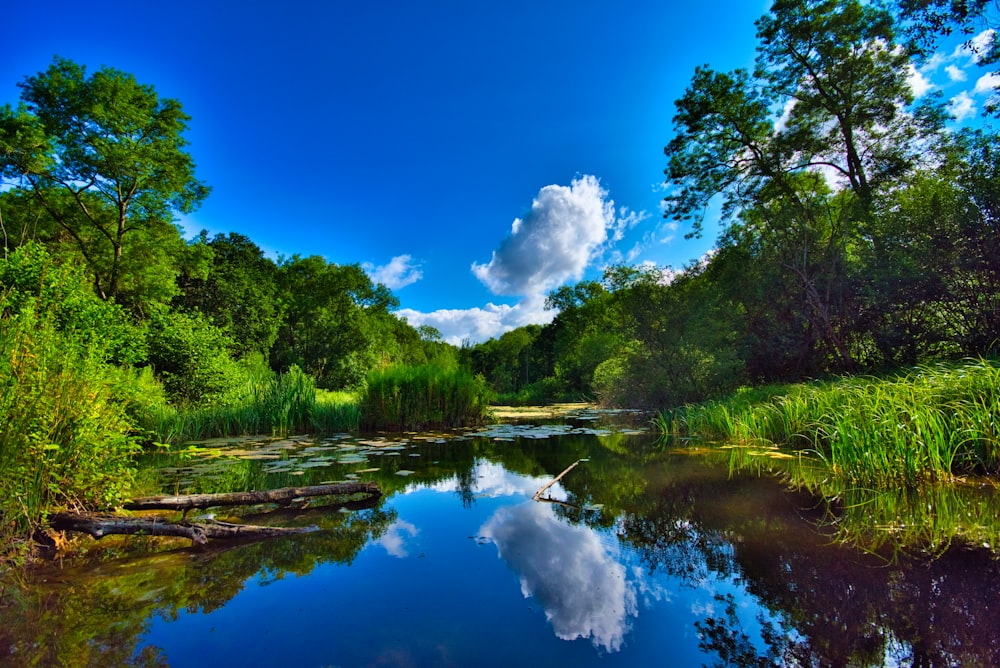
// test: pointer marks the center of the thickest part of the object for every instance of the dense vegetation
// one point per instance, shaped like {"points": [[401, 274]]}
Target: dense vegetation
{"points": [[858, 235]]}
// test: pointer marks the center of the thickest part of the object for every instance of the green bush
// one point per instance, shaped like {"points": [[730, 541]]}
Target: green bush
{"points": [[191, 357]]}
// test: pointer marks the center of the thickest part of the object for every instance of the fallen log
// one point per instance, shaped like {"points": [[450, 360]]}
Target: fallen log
{"points": [[283, 496], [99, 526]]}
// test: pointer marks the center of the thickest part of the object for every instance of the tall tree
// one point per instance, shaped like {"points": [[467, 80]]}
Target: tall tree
{"points": [[104, 156], [826, 107], [331, 326]]}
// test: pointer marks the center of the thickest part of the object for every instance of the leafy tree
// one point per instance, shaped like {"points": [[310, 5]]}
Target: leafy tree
{"points": [[330, 329], [191, 356], [104, 158], [240, 293], [832, 72]]}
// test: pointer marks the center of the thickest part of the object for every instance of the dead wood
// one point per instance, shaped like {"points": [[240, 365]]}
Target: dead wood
{"points": [[99, 526], [283, 496], [538, 494]]}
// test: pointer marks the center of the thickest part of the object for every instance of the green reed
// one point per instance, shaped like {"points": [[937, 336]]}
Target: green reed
{"points": [[263, 404], [403, 398], [930, 424], [64, 439]]}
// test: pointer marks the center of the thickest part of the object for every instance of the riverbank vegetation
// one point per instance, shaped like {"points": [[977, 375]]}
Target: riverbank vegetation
{"points": [[858, 236], [930, 424]]}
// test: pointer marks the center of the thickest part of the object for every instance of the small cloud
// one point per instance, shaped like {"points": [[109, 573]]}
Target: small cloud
{"points": [[400, 272], [919, 84], [395, 538], [962, 106], [988, 83], [786, 113], [934, 62], [982, 44], [955, 73]]}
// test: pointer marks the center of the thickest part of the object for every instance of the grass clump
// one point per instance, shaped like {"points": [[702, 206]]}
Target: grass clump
{"points": [[929, 424], [405, 398], [263, 403]]}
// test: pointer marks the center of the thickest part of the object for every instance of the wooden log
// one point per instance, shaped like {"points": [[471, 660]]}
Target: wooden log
{"points": [[282, 496], [569, 468], [99, 526]]}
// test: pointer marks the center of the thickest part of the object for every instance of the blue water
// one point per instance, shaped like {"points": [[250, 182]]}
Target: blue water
{"points": [[503, 582]]}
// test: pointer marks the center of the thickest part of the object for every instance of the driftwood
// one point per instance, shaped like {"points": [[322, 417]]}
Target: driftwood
{"points": [[99, 526], [538, 494], [283, 496], [199, 532]]}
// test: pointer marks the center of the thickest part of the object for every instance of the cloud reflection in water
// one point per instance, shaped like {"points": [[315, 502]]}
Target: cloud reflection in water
{"points": [[578, 580]]}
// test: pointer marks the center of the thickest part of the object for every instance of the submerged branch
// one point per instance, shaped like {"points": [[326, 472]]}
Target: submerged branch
{"points": [[538, 494], [99, 526]]}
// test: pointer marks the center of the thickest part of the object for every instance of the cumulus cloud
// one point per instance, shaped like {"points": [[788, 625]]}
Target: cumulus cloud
{"points": [[982, 43], [479, 324], [554, 242], [955, 73], [962, 106], [988, 83], [395, 538], [919, 84], [398, 273]]}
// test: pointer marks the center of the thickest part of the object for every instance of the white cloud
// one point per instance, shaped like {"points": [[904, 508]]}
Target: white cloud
{"points": [[962, 106], [919, 84], [988, 83], [554, 242], [955, 73], [982, 43], [479, 324], [400, 272], [786, 113]]}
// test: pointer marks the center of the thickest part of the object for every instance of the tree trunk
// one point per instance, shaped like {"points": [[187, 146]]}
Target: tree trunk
{"points": [[283, 496]]}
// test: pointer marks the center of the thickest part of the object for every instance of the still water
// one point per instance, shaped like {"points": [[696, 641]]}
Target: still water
{"points": [[644, 554]]}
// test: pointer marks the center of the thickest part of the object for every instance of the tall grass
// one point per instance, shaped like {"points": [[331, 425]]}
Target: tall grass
{"points": [[930, 424], [263, 404], [403, 398], [63, 436]]}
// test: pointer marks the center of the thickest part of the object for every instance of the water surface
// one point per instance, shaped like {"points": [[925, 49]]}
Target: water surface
{"points": [[643, 554]]}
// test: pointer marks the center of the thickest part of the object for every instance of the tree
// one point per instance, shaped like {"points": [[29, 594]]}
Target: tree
{"points": [[925, 21], [801, 149], [240, 294], [331, 324], [104, 157]]}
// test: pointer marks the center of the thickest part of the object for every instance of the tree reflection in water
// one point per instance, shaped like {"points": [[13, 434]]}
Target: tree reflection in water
{"points": [[656, 548]]}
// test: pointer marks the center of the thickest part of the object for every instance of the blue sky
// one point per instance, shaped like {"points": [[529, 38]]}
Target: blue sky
{"points": [[416, 137]]}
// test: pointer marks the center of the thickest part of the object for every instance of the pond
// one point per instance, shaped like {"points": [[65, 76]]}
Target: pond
{"points": [[645, 553]]}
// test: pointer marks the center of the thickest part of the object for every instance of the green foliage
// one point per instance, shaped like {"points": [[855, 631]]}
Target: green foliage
{"points": [[103, 157], [401, 398], [928, 425], [64, 433], [239, 294], [334, 319], [191, 357]]}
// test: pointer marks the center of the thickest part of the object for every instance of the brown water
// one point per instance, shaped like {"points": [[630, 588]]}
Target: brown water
{"points": [[645, 554]]}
